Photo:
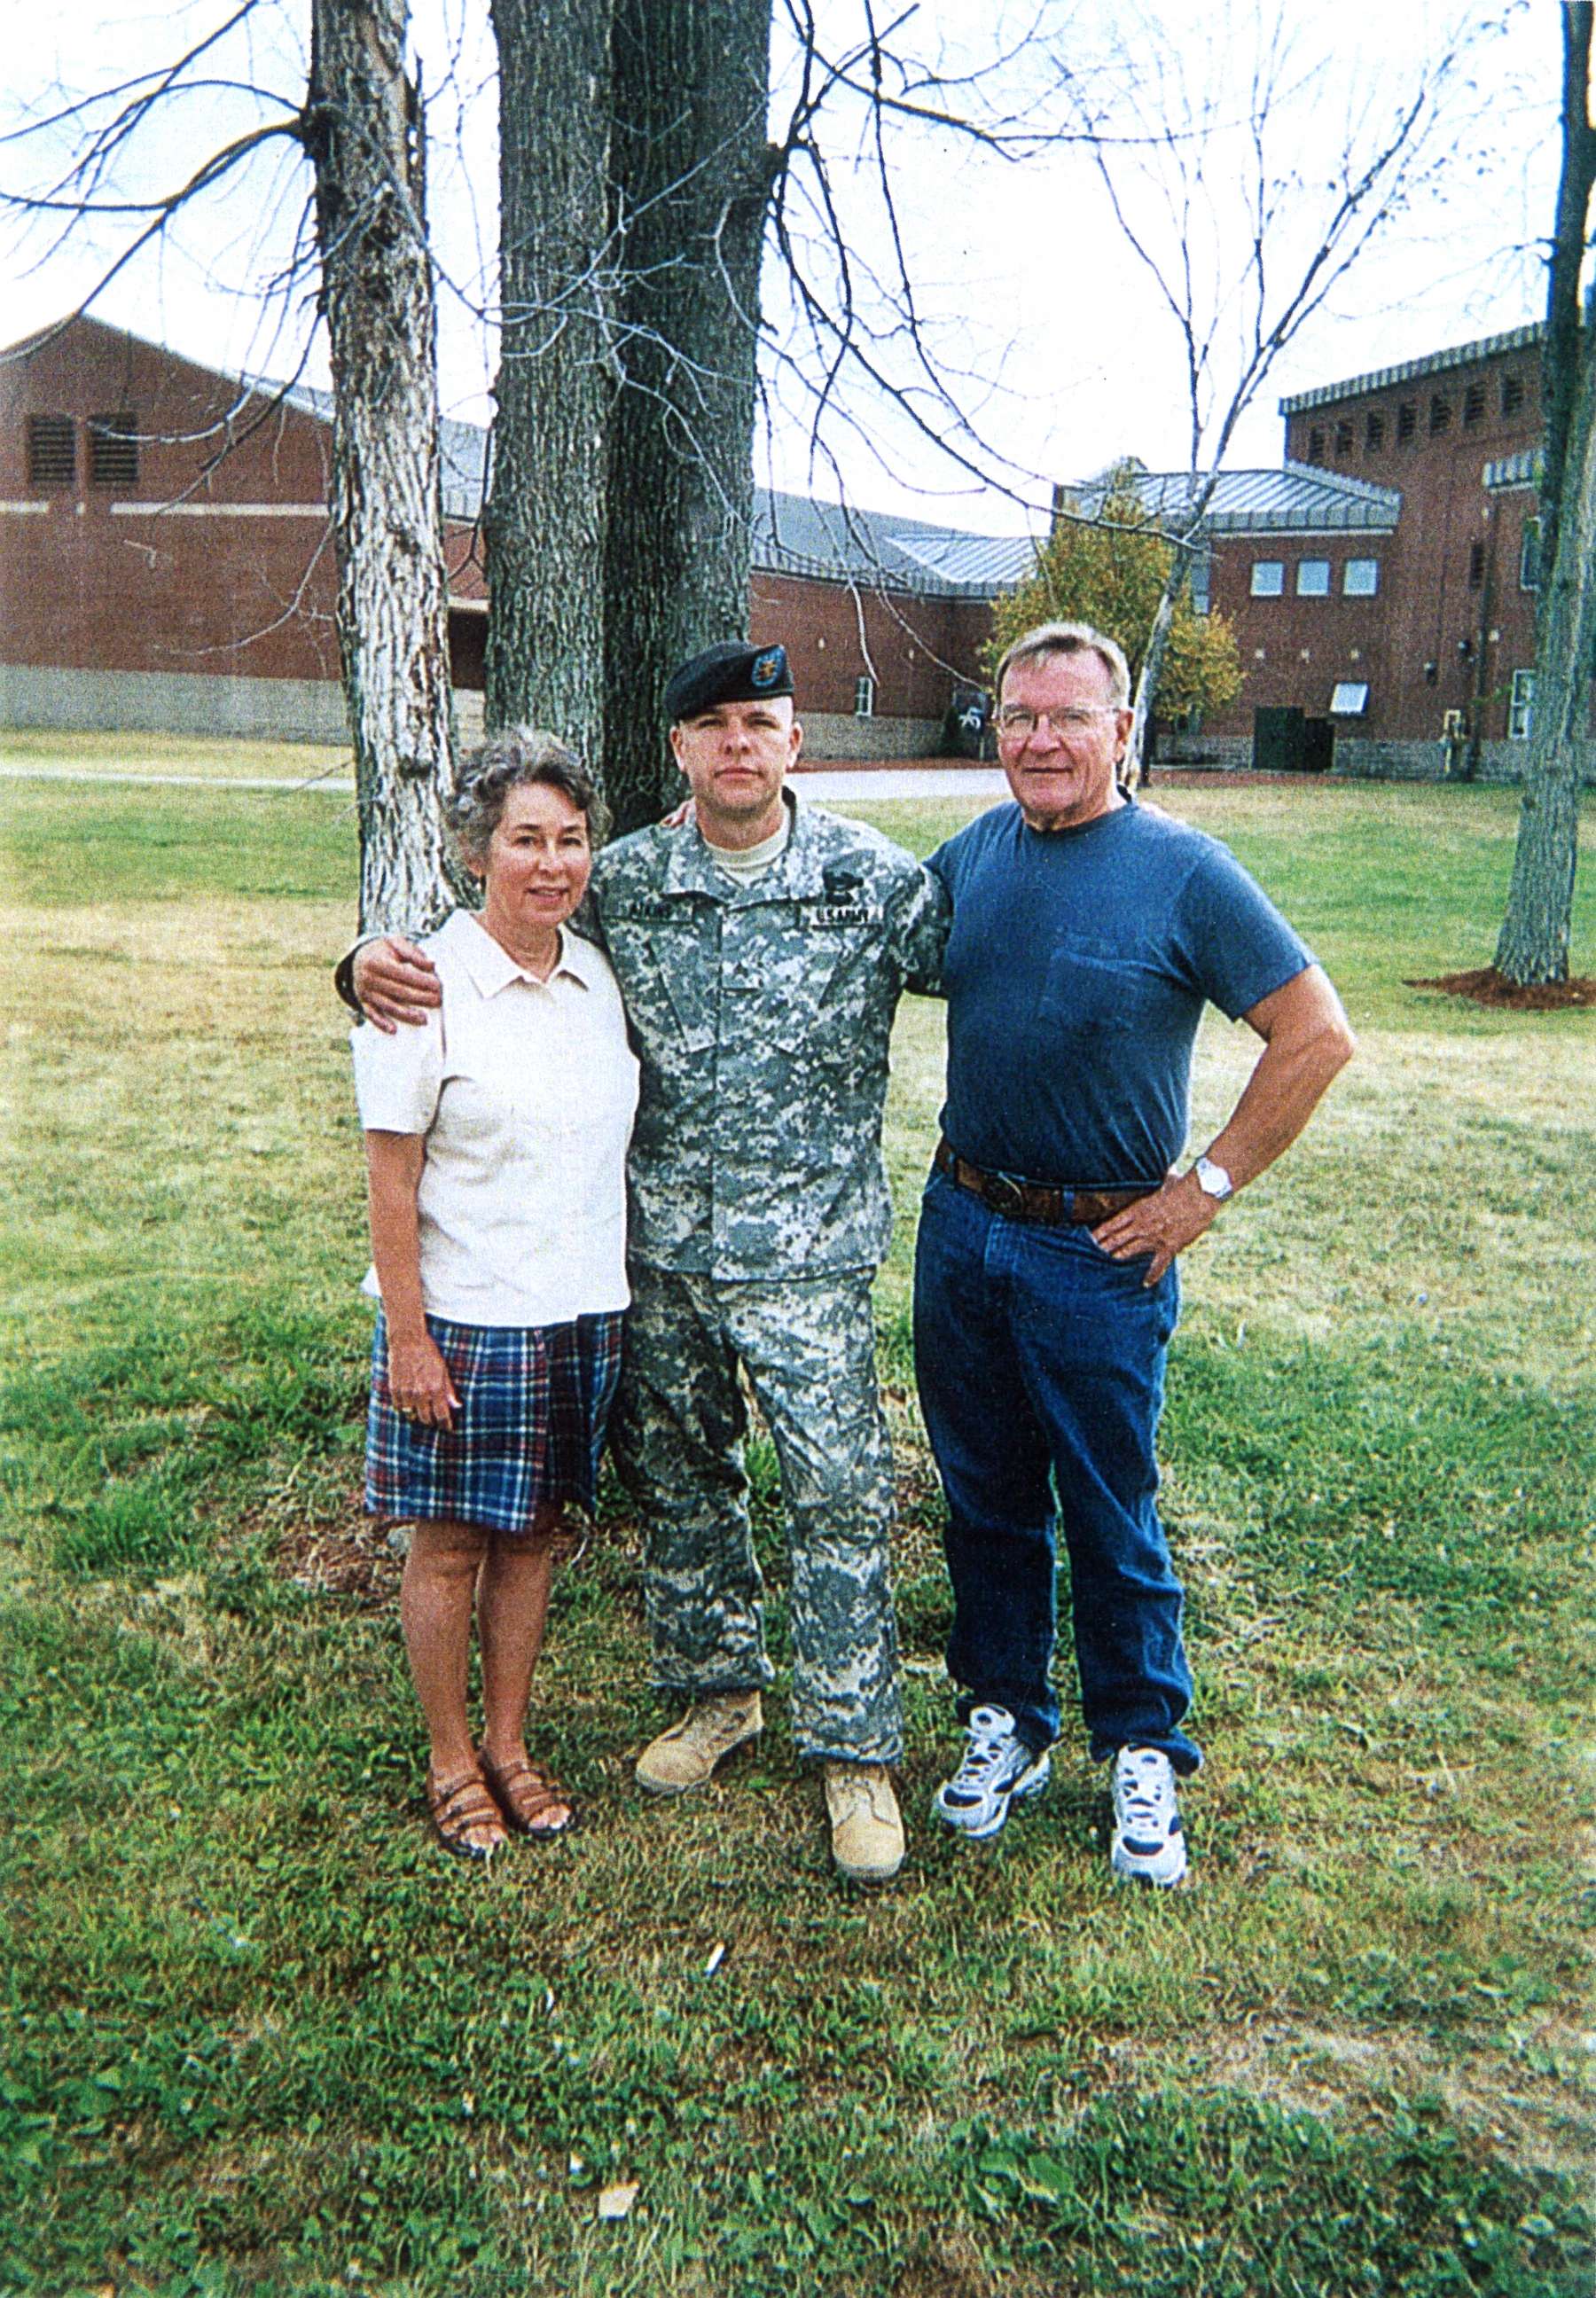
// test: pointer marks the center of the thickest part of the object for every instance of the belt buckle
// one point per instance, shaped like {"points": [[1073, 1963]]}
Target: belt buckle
{"points": [[1004, 1196]]}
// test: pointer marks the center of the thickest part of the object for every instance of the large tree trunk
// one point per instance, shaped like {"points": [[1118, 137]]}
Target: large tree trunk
{"points": [[546, 508], [1560, 358], [692, 170], [1533, 945], [364, 133]]}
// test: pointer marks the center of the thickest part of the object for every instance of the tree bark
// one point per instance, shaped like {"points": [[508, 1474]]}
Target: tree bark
{"points": [[691, 171], [1560, 358], [1134, 769], [1533, 943], [363, 130], [1158, 637], [545, 519]]}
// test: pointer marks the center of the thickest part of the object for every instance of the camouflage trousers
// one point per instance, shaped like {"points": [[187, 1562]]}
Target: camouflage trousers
{"points": [[807, 1346]]}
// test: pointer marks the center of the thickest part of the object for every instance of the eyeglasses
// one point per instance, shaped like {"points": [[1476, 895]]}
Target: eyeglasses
{"points": [[1017, 725]]}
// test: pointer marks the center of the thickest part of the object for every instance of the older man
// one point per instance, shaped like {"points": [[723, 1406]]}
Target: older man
{"points": [[1088, 932], [762, 949]]}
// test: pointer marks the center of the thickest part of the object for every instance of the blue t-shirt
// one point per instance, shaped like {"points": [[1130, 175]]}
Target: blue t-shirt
{"points": [[1077, 970]]}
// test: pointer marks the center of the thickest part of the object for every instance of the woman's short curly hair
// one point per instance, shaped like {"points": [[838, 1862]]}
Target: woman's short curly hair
{"points": [[486, 776]]}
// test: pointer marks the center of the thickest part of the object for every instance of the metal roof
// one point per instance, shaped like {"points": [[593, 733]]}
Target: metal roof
{"points": [[1299, 498], [1520, 470], [1381, 378], [794, 535]]}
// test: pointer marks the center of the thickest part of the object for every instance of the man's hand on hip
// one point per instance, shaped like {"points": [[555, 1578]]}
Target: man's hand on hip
{"points": [[1163, 1225], [394, 982], [1306, 1040]]}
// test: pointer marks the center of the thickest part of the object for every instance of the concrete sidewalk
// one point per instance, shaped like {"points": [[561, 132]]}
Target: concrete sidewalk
{"points": [[925, 778]]}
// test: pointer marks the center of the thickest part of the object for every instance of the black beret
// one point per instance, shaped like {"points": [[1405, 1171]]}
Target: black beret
{"points": [[730, 672]]}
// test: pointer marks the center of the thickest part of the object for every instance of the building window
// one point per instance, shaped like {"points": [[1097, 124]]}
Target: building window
{"points": [[1200, 583], [1316, 446], [1313, 578], [1374, 433], [1360, 578], [1474, 403], [1440, 414], [864, 696], [1476, 565], [1349, 698], [1529, 556], [1521, 706], [1512, 394], [52, 450], [1344, 435], [114, 449], [1269, 578], [1407, 421]]}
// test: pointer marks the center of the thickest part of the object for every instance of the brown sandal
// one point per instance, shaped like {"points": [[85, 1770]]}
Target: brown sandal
{"points": [[458, 1806], [524, 1794]]}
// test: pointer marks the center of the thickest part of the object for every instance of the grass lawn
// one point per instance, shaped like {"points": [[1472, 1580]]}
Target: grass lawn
{"points": [[258, 2035], [45, 753]]}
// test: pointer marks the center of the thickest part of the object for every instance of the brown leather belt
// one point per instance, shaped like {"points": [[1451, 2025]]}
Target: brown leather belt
{"points": [[1034, 1201]]}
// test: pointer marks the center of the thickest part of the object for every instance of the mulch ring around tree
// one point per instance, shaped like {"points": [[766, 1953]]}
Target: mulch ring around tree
{"points": [[1486, 987]]}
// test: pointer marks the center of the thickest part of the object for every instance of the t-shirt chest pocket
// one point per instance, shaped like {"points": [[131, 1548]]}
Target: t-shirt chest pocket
{"points": [[1093, 987]]}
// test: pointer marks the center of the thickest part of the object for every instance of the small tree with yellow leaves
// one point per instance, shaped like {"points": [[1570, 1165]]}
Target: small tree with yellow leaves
{"points": [[1109, 571]]}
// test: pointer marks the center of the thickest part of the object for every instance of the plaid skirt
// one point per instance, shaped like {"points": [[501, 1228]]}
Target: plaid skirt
{"points": [[533, 1404]]}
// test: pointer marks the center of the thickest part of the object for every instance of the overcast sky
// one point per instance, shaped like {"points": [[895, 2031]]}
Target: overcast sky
{"points": [[1050, 335]]}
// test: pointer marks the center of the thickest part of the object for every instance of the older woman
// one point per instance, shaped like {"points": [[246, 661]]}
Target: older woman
{"points": [[496, 1140]]}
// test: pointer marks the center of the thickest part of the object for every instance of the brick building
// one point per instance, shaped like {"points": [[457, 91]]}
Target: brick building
{"points": [[1384, 578], [1455, 434], [166, 563]]}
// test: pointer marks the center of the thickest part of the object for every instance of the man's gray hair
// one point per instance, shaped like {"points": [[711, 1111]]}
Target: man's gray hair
{"points": [[1071, 638], [505, 762]]}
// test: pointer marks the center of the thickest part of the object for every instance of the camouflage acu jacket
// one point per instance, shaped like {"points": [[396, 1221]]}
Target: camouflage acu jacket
{"points": [[762, 1015]]}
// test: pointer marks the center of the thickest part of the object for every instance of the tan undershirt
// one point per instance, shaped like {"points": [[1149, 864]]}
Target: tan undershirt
{"points": [[747, 862]]}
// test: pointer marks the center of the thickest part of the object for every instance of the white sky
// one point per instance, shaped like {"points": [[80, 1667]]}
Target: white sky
{"points": [[1062, 356]]}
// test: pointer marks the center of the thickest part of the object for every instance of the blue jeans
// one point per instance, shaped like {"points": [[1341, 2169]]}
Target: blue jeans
{"points": [[1040, 1363]]}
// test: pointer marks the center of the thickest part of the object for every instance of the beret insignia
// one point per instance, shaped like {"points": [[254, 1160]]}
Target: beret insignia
{"points": [[729, 671]]}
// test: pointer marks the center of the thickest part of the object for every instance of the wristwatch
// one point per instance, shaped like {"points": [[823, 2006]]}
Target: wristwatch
{"points": [[1213, 1180]]}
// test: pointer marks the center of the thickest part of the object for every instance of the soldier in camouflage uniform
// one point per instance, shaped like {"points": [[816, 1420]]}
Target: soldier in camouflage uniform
{"points": [[761, 949]]}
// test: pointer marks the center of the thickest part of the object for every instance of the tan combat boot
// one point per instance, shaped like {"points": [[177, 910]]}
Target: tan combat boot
{"points": [[868, 1831], [685, 1757]]}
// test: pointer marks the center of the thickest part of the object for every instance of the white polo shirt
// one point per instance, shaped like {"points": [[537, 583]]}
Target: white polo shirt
{"points": [[526, 1091]]}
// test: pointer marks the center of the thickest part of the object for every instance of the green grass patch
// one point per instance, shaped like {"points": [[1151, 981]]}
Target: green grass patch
{"points": [[49, 752], [256, 2034]]}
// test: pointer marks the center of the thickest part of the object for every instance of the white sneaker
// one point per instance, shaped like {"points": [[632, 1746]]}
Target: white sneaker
{"points": [[998, 1769], [1149, 1845]]}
